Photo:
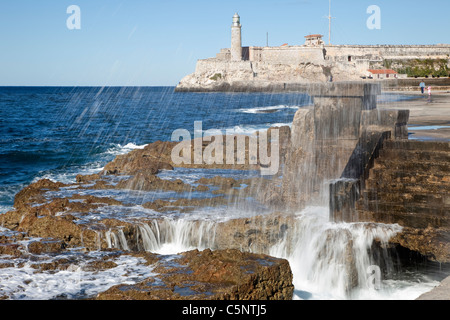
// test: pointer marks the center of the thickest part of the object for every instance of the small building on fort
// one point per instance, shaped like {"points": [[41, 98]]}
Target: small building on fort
{"points": [[314, 40]]}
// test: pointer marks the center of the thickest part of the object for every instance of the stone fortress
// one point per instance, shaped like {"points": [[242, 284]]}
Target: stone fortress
{"points": [[293, 66]]}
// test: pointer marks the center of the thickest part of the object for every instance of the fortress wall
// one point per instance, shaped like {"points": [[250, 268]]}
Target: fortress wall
{"points": [[286, 55], [295, 55], [388, 52], [229, 70], [216, 65]]}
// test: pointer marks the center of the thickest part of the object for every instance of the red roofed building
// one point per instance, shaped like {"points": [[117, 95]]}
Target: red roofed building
{"points": [[314, 40], [383, 73]]}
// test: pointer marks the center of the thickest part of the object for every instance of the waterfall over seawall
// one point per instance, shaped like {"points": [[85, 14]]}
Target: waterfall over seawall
{"points": [[332, 260], [328, 260], [165, 236]]}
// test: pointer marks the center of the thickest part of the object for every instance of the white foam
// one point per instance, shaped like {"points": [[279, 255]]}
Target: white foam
{"points": [[119, 149], [252, 129], [268, 109], [4, 209], [26, 283], [68, 176]]}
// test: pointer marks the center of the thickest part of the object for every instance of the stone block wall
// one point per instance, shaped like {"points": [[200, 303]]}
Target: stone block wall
{"points": [[324, 138], [342, 52]]}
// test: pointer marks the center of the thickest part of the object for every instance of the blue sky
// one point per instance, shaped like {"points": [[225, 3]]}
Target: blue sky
{"points": [[150, 42]]}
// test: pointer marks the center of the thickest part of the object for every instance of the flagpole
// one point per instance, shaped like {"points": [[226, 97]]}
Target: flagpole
{"points": [[329, 24]]}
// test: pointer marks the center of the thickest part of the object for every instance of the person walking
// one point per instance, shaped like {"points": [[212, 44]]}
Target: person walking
{"points": [[429, 94], [422, 87]]}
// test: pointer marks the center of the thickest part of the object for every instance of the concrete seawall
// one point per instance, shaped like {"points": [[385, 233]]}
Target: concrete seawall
{"points": [[441, 292]]}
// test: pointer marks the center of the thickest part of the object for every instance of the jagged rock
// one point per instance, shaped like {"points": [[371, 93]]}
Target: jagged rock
{"points": [[34, 192], [87, 178], [432, 243], [11, 249], [146, 182], [256, 234], [46, 246], [184, 204], [214, 275], [151, 159], [223, 183]]}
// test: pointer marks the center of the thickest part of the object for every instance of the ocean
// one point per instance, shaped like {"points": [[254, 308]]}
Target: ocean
{"points": [[60, 132]]}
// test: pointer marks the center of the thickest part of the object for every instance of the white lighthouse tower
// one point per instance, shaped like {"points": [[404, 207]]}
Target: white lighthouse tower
{"points": [[236, 40]]}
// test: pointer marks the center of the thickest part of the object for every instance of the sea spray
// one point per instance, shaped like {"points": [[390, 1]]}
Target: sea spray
{"points": [[328, 258]]}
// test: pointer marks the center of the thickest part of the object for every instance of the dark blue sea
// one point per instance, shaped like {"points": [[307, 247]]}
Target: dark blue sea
{"points": [[59, 132]]}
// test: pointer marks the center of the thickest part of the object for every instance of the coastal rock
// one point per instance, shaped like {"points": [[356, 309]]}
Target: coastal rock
{"points": [[184, 205], [255, 234], [151, 159], [432, 243], [146, 182], [45, 246], [10, 249], [210, 275], [157, 156], [223, 183], [260, 76], [87, 178], [33, 193]]}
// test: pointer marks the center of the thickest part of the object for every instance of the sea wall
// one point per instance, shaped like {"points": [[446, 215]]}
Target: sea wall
{"points": [[343, 52], [324, 138]]}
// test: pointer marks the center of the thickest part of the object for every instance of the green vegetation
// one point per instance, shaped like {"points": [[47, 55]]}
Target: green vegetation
{"points": [[387, 64], [216, 77], [422, 67]]}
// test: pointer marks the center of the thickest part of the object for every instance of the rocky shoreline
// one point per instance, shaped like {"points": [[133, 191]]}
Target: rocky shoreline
{"points": [[52, 219]]}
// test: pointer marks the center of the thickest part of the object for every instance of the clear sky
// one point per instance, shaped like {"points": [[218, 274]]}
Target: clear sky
{"points": [[152, 42]]}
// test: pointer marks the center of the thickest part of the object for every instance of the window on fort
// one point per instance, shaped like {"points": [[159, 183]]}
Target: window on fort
{"points": [[349, 58]]}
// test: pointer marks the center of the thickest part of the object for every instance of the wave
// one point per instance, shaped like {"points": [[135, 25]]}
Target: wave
{"points": [[252, 129], [5, 209], [269, 109], [118, 149], [7, 194], [68, 175]]}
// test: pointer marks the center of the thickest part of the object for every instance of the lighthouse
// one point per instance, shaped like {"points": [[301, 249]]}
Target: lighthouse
{"points": [[236, 41]]}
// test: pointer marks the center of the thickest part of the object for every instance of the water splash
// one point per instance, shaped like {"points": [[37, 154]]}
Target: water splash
{"points": [[331, 260], [169, 236]]}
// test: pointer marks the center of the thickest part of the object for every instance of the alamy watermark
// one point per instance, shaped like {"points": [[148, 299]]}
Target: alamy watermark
{"points": [[227, 148], [374, 21], [374, 277], [73, 22]]}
